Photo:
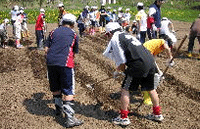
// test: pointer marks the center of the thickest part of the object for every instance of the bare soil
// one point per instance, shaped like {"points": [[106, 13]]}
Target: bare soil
{"points": [[26, 101]]}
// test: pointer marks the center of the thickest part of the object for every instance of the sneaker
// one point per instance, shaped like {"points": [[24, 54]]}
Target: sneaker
{"points": [[189, 54], [119, 121], [71, 122], [19, 46], [158, 118]]}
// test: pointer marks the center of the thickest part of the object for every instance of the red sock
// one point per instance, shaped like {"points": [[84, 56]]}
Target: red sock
{"points": [[157, 110], [124, 114]]}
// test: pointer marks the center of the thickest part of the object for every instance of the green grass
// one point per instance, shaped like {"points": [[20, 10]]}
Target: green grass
{"points": [[179, 10]]}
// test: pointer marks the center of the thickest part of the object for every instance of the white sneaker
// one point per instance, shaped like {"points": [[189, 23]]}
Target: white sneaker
{"points": [[119, 121], [71, 122], [155, 117]]}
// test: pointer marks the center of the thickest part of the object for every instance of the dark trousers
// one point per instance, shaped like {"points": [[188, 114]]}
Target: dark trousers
{"points": [[81, 28], [142, 36], [151, 34], [39, 38], [102, 21], [191, 41]]}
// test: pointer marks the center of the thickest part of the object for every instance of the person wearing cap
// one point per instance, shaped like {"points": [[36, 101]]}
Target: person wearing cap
{"points": [[14, 13], [61, 47], [18, 29], [108, 16], [92, 17], [156, 46], [134, 27], [154, 19], [25, 31], [127, 15], [40, 29], [113, 16], [103, 14], [62, 12], [138, 65], [81, 21], [3, 33], [141, 18], [194, 33], [166, 33]]}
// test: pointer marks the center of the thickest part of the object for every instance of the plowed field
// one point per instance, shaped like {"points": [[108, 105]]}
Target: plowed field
{"points": [[26, 101]]}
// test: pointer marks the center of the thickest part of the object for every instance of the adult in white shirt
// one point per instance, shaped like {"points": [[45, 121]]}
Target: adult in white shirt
{"points": [[141, 18], [167, 31]]}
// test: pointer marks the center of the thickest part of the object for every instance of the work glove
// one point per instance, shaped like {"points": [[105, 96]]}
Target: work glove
{"points": [[157, 80], [154, 27], [116, 74], [170, 63]]}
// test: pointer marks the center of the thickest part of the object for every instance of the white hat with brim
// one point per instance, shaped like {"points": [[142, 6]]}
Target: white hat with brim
{"points": [[42, 10], [6, 20], [164, 18], [112, 26], [120, 8], [16, 7], [128, 9], [114, 10], [69, 17], [60, 5], [140, 4]]}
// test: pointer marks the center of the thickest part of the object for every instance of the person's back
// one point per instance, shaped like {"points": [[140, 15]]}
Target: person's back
{"points": [[39, 22], [165, 27], [62, 44]]}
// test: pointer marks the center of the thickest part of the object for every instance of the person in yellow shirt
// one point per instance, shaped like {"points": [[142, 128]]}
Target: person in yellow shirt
{"points": [[155, 46]]}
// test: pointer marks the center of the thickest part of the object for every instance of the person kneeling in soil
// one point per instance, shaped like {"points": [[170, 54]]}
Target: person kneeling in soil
{"points": [[128, 52], [61, 46], [3, 33]]}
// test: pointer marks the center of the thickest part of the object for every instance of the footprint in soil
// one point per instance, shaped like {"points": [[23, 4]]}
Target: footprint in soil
{"points": [[39, 106]]}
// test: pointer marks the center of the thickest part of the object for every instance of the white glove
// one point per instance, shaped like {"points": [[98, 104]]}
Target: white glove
{"points": [[157, 80], [169, 63], [116, 74], [154, 27]]}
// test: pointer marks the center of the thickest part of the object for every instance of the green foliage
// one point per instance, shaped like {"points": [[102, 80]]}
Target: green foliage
{"points": [[182, 10]]}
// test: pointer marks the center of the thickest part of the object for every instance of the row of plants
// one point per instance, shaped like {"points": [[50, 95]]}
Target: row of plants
{"points": [[52, 14]]}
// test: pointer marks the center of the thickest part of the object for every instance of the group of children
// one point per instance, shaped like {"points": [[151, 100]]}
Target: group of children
{"points": [[19, 24], [92, 20]]}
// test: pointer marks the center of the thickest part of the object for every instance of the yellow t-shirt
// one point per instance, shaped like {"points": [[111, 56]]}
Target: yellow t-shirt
{"points": [[155, 46]]}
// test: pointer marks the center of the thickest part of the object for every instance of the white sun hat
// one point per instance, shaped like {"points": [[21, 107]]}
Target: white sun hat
{"points": [[21, 11], [16, 7], [114, 10], [128, 9], [6, 20], [112, 26], [109, 7], [120, 8], [87, 7], [140, 4], [61, 5], [42, 10], [164, 18], [69, 17]]}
